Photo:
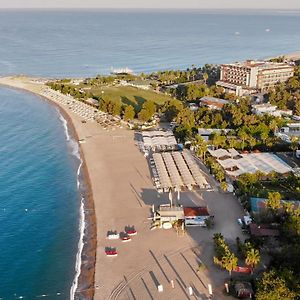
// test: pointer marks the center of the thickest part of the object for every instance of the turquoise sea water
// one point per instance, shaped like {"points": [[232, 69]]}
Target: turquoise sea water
{"points": [[39, 200], [39, 204]]}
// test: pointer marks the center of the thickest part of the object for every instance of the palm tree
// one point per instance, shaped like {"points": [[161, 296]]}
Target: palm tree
{"points": [[243, 136], [294, 143], [251, 141], [252, 258], [229, 262], [216, 139], [219, 175], [205, 77]]}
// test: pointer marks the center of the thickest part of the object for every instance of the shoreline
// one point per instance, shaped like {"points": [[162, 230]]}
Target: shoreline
{"points": [[86, 278]]}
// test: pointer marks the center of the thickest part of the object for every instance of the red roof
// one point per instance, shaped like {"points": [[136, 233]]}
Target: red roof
{"points": [[195, 211], [263, 230]]}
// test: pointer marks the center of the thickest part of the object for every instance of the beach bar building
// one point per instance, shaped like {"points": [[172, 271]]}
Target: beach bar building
{"points": [[168, 214], [195, 216]]}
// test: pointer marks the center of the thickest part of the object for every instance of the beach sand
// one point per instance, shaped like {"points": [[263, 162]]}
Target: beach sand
{"points": [[290, 56], [120, 193]]}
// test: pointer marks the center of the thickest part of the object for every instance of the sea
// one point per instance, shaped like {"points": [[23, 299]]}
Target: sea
{"points": [[40, 197]]}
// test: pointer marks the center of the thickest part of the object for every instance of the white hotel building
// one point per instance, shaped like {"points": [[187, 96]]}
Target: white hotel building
{"points": [[254, 75]]}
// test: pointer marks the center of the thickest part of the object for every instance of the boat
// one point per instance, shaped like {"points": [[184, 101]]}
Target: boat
{"points": [[122, 71], [131, 232], [111, 252], [125, 238]]}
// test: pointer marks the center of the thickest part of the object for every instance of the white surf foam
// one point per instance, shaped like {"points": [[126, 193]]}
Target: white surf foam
{"points": [[80, 243], [75, 152], [65, 124]]}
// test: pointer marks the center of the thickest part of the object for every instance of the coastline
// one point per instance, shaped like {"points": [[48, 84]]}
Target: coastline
{"points": [[120, 193], [85, 288], [86, 276]]}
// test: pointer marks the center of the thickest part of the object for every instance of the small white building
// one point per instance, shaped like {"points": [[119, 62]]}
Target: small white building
{"points": [[267, 108], [291, 129], [213, 103], [205, 133]]}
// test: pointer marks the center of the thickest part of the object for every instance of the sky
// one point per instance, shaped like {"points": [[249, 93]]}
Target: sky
{"points": [[154, 4]]}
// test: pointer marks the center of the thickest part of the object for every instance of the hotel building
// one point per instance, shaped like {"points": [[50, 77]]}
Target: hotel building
{"points": [[254, 75]]}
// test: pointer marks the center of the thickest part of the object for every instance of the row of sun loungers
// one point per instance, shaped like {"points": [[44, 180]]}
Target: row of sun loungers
{"points": [[161, 177], [85, 111], [159, 140], [194, 168], [172, 170], [176, 170], [183, 169]]}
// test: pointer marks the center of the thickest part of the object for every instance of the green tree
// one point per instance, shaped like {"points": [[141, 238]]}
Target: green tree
{"points": [[219, 174], [273, 200], [171, 109], [205, 77], [252, 141], [297, 107], [243, 136], [292, 223], [186, 117], [216, 139], [228, 261], [294, 143], [116, 108], [147, 111], [223, 186], [200, 146], [273, 287], [252, 258], [129, 113], [183, 133]]}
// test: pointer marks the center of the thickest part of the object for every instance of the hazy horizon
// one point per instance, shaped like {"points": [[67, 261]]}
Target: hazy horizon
{"points": [[154, 4]]}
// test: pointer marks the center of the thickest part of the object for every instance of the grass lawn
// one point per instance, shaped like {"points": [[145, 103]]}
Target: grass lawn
{"points": [[130, 95]]}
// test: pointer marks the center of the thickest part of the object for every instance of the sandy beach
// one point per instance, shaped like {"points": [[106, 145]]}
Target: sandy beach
{"points": [[293, 56], [120, 193]]}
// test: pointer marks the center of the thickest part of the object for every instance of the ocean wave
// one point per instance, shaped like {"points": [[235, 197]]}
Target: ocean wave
{"points": [[75, 152], [80, 243], [65, 124], [71, 142]]}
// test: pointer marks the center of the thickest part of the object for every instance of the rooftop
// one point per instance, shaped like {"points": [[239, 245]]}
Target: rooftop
{"points": [[178, 169], [263, 230], [209, 131], [157, 139], [214, 101], [195, 211], [251, 163], [219, 153], [260, 64]]}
